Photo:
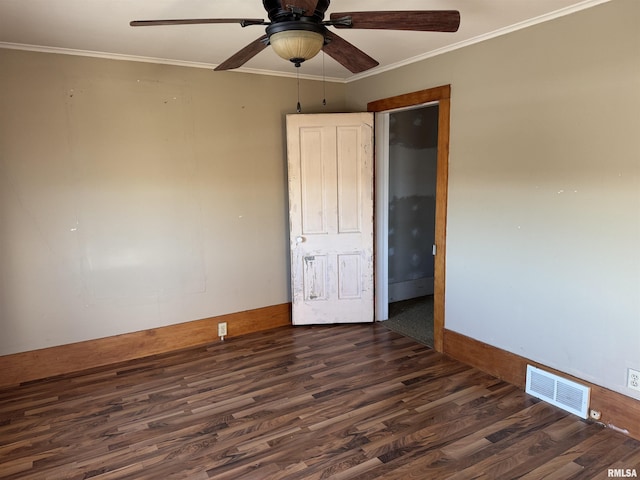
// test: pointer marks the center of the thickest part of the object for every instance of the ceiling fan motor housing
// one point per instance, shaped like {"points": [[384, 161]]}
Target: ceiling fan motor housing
{"points": [[280, 10]]}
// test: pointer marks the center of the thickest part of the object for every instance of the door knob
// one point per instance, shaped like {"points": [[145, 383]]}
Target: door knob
{"points": [[299, 239]]}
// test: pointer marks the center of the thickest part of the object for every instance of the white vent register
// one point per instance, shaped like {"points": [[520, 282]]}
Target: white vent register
{"points": [[558, 391]]}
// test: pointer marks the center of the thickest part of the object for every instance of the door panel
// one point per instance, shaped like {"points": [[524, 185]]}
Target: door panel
{"points": [[349, 273], [315, 278], [313, 176], [349, 182], [330, 166]]}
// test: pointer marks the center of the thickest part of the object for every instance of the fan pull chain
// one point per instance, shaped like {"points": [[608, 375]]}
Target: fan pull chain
{"points": [[298, 108], [324, 84]]}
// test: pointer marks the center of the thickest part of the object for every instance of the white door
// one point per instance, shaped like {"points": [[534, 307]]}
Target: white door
{"points": [[330, 164]]}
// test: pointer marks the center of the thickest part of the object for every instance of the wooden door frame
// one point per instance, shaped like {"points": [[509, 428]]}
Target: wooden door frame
{"points": [[442, 95]]}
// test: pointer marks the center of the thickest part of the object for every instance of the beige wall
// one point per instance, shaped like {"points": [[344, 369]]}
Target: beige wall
{"points": [[135, 196], [543, 237]]}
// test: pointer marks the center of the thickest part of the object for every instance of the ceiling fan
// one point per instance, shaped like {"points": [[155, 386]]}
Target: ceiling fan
{"points": [[297, 31]]}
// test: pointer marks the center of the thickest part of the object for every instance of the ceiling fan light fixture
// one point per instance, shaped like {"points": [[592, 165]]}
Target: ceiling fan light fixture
{"points": [[297, 45]]}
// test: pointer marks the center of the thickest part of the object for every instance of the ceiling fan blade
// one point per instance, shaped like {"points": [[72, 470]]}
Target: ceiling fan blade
{"points": [[415, 20], [197, 21], [243, 56], [347, 54]]}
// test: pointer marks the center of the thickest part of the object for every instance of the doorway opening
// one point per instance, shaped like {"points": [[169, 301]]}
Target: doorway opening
{"points": [[411, 138], [413, 161], [421, 173]]}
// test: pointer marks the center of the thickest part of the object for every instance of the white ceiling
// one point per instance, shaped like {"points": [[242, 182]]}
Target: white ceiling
{"points": [[101, 28]]}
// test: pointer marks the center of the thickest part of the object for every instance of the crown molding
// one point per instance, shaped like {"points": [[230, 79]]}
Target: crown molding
{"points": [[480, 38], [160, 61]]}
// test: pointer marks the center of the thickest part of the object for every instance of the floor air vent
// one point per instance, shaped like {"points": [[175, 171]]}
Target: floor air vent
{"points": [[558, 391]]}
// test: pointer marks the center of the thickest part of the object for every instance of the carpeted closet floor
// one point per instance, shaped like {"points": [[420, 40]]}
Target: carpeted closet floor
{"points": [[412, 318]]}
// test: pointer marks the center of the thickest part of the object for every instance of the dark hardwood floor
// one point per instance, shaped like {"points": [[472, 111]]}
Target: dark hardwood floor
{"points": [[342, 402]]}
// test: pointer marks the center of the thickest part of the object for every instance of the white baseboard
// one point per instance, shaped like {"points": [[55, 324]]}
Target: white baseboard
{"points": [[410, 289]]}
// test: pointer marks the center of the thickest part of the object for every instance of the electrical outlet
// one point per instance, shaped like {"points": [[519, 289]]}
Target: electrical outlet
{"points": [[633, 379], [222, 329]]}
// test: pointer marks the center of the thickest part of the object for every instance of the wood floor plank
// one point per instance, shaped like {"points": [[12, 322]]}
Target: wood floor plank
{"points": [[316, 402]]}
